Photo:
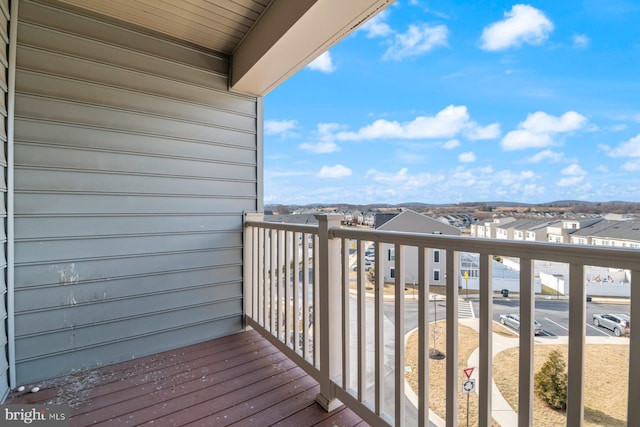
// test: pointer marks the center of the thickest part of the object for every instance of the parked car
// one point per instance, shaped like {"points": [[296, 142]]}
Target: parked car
{"points": [[368, 265], [371, 257], [620, 324], [513, 320]]}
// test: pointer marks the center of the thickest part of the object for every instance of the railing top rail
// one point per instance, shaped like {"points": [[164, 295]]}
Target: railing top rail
{"points": [[298, 228], [557, 252], [569, 253]]}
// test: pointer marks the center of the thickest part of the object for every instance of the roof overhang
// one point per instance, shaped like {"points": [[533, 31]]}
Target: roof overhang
{"points": [[292, 33]]}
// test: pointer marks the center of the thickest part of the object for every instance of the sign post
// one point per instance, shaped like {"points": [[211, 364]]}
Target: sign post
{"points": [[466, 282], [468, 386]]}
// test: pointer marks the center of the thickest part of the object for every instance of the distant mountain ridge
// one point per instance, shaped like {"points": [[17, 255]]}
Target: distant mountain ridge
{"points": [[420, 205]]}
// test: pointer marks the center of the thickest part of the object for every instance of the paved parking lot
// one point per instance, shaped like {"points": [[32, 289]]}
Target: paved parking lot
{"points": [[554, 314]]}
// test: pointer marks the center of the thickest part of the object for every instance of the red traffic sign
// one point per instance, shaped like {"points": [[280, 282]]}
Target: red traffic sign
{"points": [[468, 372]]}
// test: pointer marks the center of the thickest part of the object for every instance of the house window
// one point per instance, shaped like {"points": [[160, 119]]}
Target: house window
{"points": [[436, 275], [392, 273], [436, 256], [392, 255]]}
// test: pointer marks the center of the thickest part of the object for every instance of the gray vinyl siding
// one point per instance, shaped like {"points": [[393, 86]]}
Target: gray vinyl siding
{"points": [[4, 65], [133, 167]]}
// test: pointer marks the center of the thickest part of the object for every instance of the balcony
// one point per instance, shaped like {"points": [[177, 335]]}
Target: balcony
{"points": [[322, 348]]}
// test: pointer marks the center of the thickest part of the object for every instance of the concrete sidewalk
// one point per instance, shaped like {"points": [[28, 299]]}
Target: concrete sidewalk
{"points": [[501, 411]]}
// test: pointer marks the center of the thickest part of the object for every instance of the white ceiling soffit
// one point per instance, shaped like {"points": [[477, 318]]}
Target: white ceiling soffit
{"points": [[292, 33], [268, 40]]}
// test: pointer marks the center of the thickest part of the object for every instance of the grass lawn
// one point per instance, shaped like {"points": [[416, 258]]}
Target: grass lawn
{"points": [[605, 390], [605, 384]]}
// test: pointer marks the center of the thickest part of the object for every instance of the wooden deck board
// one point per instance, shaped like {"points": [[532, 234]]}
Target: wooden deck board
{"points": [[236, 380]]}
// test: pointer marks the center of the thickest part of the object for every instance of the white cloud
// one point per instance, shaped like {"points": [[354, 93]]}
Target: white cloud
{"points": [[320, 147], [418, 40], [376, 27], [573, 169], [580, 41], [523, 24], [545, 155], [602, 168], [573, 175], [447, 123], [467, 157], [630, 148], [491, 131], [323, 63], [540, 122], [337, 171], [402, 180], [538, 129], [377, 176], [279, 127], [451, 144], [522, 139]]}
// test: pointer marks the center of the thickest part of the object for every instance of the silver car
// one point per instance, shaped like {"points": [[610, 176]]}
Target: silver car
{"points": [[620, 324], [513, 320]]}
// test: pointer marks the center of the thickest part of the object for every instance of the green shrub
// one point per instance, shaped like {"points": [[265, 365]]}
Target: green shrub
{"points": [[550, 383]]}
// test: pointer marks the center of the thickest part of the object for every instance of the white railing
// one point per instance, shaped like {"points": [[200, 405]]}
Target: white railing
{"points": [[297, 294]]}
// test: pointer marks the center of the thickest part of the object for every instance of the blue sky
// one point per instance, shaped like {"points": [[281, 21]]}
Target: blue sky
{"points": [[459, 101]]}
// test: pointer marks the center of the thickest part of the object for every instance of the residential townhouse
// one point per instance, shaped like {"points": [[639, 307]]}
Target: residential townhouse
{"points": [[413, 222], [487, 229], [621, 234]]}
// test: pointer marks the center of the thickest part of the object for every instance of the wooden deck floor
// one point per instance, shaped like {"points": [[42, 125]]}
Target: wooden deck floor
{"points": [[236, 380]]}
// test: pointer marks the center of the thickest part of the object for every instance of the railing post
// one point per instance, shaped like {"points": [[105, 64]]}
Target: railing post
{"points": [[248, 262], [329, 311], [577, 332], [633, 411]]}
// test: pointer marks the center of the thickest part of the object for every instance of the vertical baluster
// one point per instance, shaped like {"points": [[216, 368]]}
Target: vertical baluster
{"points": [[296, 291], [399, 335], [280, 287], [288, 247], [273, 327], [379, 331], [255, 279], [577, 331], [452, 337], [527, 311], [346, 329], [361, 320], [486, 343], [263, 277], [305, 295], [316, 302], [423, 338]]}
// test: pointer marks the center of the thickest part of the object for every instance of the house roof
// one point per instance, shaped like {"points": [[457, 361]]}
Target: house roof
{"points": [[382, 218], [413, 222], [623, 230], [267, 41]]}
